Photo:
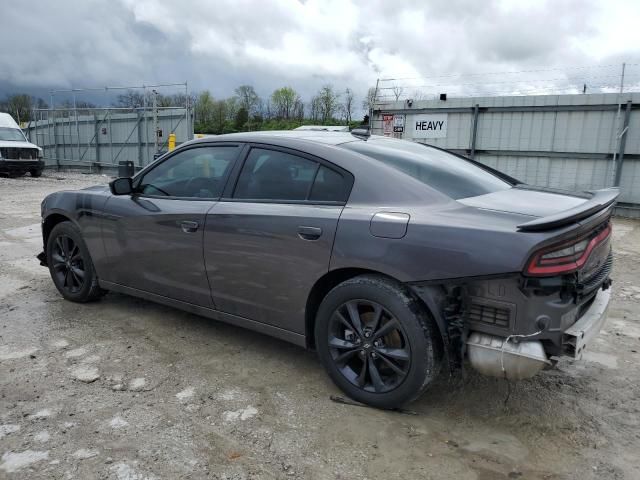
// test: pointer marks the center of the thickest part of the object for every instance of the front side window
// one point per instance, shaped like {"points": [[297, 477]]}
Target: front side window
{"points": [[275, 175], [447, 173], [195, 173]]}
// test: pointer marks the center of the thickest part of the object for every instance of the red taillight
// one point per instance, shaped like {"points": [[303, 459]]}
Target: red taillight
{"points": [[565, 257]]}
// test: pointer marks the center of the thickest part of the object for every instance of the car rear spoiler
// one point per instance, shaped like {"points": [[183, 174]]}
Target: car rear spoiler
{"points": [[599, 200]]}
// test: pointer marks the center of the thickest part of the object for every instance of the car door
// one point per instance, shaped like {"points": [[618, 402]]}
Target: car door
{"points": [[153, 238], [267, 243]]}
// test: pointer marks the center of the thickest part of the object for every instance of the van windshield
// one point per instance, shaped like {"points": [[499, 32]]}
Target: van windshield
{"points": [[451, 175], [11, 135]]}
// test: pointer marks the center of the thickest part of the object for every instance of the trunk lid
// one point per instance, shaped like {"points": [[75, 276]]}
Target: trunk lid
{"points": [[548, 209], [531, 202]]}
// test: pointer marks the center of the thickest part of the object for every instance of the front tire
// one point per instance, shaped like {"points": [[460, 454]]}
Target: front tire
{"points": [[378, 344], [35, 173], [70, 264]]}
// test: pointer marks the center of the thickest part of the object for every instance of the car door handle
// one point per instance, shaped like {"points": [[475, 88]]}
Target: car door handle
{"points": [[309, 233], [189, 227]]}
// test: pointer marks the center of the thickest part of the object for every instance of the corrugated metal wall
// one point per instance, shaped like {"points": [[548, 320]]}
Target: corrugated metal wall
{"points": [[562, 141], [105, 136]]}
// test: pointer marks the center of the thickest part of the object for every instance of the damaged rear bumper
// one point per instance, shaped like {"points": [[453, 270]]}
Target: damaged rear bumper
{"points": [[518, 357], [579, 335], [512, 327]]}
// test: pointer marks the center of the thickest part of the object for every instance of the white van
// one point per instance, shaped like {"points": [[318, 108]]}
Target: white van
{"points": [[17, 155]]}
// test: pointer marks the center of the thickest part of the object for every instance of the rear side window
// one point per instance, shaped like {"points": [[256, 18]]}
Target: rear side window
{"points": [[447, 173], [275, 175], [329, 186]]}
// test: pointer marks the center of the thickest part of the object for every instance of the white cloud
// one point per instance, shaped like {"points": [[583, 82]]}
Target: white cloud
{"points": [[218, 45]]}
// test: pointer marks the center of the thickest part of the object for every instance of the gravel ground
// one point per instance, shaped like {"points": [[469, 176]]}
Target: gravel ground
{"points": [[130, 390]]}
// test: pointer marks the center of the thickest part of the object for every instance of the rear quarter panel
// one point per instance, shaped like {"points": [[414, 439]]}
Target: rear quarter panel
{"points": [[444, 240]]}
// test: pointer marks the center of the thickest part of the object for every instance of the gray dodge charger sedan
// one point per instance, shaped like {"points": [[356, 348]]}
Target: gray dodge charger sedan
{"points": [[389, 258]]}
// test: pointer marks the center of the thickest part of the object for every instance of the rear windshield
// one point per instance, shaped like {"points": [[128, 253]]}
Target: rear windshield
{"points": [[447, 173], [11, 135]]}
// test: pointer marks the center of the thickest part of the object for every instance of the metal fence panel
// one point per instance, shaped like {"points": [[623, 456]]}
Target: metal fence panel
{"points": [[105, 136], [562, 141]]}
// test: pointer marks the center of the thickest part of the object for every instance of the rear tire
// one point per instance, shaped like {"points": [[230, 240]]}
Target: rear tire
{"points": [[377, 342], [70, 264], [35, 173]]}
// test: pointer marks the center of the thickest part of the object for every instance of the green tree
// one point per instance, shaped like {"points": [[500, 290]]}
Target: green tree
{"points": [[315, 108], [248, 98], [220, 109], [348, 105], [203, 112], [283, 101], [328, 100], [19, 106], [241, 120]]}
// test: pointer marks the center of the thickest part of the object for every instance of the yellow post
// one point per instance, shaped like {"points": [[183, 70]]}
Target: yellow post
{"points": [[172, 141]]}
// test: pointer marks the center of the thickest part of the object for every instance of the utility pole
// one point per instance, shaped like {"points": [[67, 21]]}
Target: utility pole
{"points": [[373, 102], [188, 130], [156, 125], [617, 124]]}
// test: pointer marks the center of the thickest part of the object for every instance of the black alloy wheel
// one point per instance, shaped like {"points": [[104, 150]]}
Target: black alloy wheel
{"points": [[68, 264], [369, 346], [378, 343]]}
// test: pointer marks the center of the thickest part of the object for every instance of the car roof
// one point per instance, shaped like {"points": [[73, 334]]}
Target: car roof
{"points": [[315, 136], [328, 128]]}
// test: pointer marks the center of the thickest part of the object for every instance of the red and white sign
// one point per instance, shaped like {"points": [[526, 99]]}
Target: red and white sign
{"points": [[387, 125]]}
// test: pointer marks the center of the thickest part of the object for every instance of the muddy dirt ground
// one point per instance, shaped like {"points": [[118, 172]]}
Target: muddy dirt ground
{"points": [[130, 390]]}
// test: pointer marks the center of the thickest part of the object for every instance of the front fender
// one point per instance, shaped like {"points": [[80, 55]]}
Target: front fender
{"points": [[85, 209]]}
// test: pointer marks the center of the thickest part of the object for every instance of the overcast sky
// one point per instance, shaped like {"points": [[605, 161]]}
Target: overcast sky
{"points": [[217, 45]]}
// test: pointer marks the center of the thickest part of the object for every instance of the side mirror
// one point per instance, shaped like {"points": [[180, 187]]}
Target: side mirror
{"points": [[121, 186]]}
